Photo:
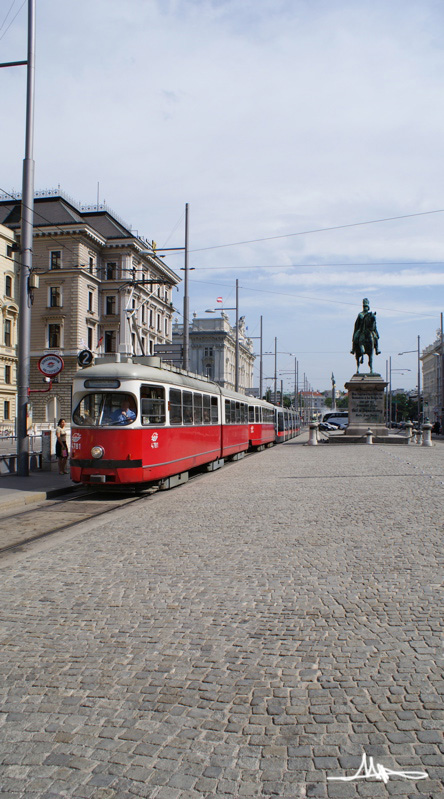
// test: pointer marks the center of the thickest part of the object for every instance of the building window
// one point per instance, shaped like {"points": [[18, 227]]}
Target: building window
{"points": [[55, 259], [6, 409], [9, 250], [166, 327], [8, 286], [110, 305], [158, 323], [91, 264], [54, 297], [7, 333], [142, 339], [151, 318], [110, 341], [90, 337], [8, 374], [111, 271], [54, 336], [208, 352], [90, 302]]}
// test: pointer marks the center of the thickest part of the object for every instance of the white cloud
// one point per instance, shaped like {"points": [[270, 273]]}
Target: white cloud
{"points": [[268, 117]]}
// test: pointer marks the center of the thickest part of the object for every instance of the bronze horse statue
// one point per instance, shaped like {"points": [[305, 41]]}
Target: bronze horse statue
{"points": [[365, 337]]}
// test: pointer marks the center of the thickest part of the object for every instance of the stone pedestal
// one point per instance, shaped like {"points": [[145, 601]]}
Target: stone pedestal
{"points": [[366, 406]]}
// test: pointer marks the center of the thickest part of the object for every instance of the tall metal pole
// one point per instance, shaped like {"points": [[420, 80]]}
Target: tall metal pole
{"points": [[441, 394], [275, 370], [27, 226], [295, 383], [236, 359], [419, 383], [261, 365], [390, 393], [186, 303]]}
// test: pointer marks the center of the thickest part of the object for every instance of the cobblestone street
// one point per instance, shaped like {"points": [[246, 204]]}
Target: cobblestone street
{"points": [[249, 634]]}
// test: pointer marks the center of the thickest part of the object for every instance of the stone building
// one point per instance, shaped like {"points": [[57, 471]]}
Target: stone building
{"points": [[212, 351], [432, 375], [9, 323], [90, 296]]}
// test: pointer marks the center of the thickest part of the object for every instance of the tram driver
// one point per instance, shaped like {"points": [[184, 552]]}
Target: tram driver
{"points": [[125, 414]]}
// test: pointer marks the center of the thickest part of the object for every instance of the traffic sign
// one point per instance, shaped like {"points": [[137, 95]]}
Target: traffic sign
{"points": [[51, 365], [85, 358]]}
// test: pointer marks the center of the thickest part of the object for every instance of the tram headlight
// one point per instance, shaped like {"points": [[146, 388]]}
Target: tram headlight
{"points": [[97, 452]]}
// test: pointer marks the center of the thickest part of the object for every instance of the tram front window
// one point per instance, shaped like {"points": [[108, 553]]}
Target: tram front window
{"points": [[103, 409]]}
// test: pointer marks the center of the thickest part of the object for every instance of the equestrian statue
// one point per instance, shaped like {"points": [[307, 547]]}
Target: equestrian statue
{"points": [[365, 337]]}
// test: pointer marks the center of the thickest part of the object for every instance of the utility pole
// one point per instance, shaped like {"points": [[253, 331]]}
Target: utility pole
{"points": [[236, 359], [26, 236], [186, 303]]}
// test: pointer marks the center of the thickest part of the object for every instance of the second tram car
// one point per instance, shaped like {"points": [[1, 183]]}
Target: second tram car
{"points": [[136, 420]]}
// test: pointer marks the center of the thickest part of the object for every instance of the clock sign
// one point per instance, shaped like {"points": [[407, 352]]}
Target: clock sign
{"points": [[51, 365]]}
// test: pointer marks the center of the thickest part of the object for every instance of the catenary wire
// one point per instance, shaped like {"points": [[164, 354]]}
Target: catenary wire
{"points": [[7, 14], [321, 230], [12, 20]]}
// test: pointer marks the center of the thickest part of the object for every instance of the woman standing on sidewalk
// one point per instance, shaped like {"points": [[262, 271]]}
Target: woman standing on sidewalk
{"points": [[61, 446]]}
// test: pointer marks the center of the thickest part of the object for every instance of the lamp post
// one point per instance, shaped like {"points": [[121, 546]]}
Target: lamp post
{"points": [[418, 350], [236, 356], [260, 360], [276, 353], [26, 235], [389, 409]]}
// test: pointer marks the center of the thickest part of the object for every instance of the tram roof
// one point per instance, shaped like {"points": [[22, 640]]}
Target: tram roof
{"points": [[152, 370]]}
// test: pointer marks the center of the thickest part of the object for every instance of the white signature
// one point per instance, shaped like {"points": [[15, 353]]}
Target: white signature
{"points": [[379, 771]]}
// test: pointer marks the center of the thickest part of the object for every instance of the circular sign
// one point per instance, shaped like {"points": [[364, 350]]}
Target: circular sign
{"points": [[85, 358], [50, 365]]}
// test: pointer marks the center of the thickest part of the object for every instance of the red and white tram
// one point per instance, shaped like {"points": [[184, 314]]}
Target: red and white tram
{"points": [[139, 421]]}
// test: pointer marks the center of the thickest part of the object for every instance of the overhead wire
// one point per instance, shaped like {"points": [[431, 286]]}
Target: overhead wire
{"points": [[12, 20], [7, 14], [321, 230], [313, 299]]}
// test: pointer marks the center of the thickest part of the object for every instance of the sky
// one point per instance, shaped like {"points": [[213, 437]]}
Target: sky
{"points": [[305, 136]]}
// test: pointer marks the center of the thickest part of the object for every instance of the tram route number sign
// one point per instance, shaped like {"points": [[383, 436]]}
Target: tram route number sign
{"points": [[50, 365], [85, 358]]}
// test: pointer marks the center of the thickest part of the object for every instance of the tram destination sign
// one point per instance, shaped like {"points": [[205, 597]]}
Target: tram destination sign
{"points": [[50, 365]]}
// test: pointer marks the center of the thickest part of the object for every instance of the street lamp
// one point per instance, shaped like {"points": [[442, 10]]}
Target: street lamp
{"points": [[275, 353], [236, 356], [389, 404], [419, 376]]}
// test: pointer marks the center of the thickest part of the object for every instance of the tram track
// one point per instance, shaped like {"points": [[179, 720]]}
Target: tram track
{"points": [[19, 528], [42, 520]]}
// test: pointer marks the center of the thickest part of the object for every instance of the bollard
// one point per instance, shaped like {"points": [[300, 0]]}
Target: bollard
{"points": [[313, 434], [408, 430], [369, 436], [427, 435]]}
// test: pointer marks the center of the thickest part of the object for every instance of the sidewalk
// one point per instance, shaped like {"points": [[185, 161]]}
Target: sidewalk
{"points": [[38, 486]]}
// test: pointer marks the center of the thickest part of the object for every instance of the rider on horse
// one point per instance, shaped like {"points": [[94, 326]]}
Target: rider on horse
{"points": [[365, 336]]}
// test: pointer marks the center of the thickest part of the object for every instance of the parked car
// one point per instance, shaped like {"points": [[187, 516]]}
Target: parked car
{"points": [[327, 426]]}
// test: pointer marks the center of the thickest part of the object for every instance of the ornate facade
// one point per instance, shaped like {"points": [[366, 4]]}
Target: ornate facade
{"points": [[212, 350], [94, 291], [8, 335]]}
